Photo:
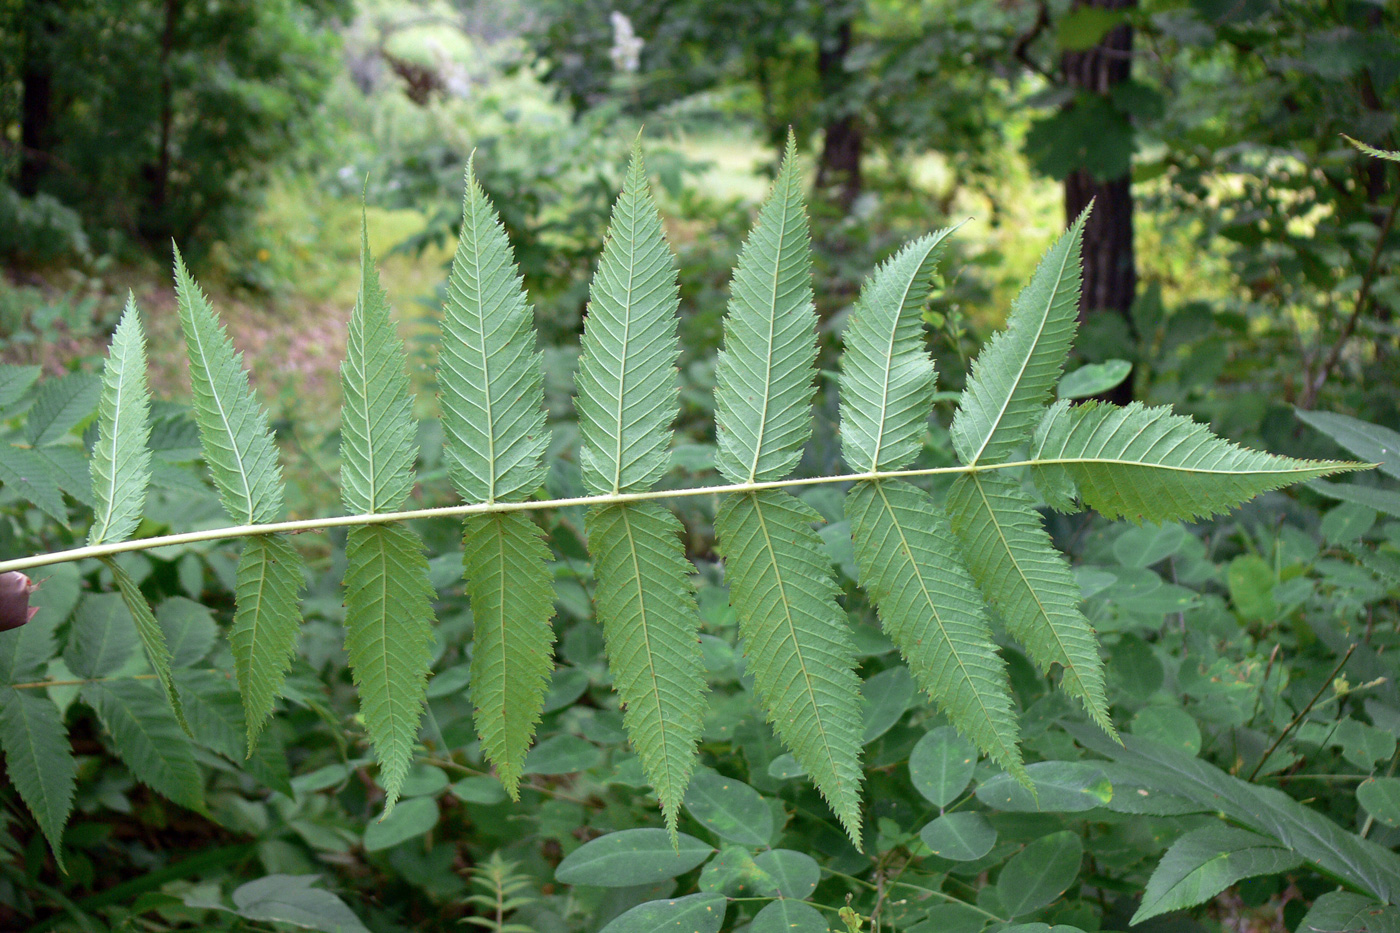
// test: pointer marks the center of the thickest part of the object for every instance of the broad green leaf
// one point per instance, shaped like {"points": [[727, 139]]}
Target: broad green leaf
{"points": [[152, 636], [1093, 379], [562, 754], [292, 899], [910, 564], [1149, 465], [941, 765], [512, 599], [729, 808], [1013, 376], [1056, 787], [121, 461], [627, 373], [72, 472], [698, 913], [884, 698], [1370, 442], [148, 740], [190, 630], [27, 474], [1206, 861], [632, 857], [389, 637], [1382, 500], [233, 432], [1359, 862], [764, 375], [1029, 583], [25, 651], [39, 760], [734, 873], [102, 638], [887, 378], [59, 405], [796, 640], [15, 381], [377, 432], [1039, 873], [1381, 798], [961, 837], [645, 603], [788, 916], [797, 874], [410, 819], [265, 623], [489, 380], [1343, 911]]}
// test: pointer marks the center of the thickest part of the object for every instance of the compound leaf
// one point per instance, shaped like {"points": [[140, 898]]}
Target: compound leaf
{"points": [[377, 446], [152, 637]]}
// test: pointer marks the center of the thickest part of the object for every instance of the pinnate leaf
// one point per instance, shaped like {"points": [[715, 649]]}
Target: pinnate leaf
{"points": [[1149, 465], [233, 432], [265, 623], [1028, 582], [39, 760], [376, 426], [627, 373], [388, 636], [489, 378], [932, 611], [651, 627], [764, 375], [796, 640], [1016, 372], [512, 599], [887, 378], [121, 461]]}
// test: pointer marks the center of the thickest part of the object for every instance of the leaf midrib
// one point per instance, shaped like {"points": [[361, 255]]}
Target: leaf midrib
{"points": [[646, 642]]}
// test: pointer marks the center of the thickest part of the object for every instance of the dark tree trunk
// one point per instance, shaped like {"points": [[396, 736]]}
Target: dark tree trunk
{"points": [[36, 95], [1110, 265], [839, 165]]}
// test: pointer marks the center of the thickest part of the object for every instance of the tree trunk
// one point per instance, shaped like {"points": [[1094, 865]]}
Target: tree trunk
{"points": [[839, 164], [38, 20], [1110, 266]]}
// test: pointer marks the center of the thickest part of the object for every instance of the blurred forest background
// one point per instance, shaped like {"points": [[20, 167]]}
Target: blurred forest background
{"points": [[1242, 257]]}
